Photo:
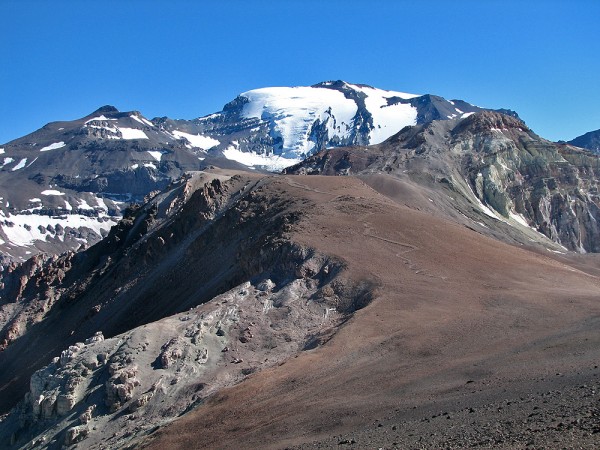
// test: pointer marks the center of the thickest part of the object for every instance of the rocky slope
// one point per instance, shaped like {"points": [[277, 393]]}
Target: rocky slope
{"points": [[276, 310], [213, 240], [492, 169]]}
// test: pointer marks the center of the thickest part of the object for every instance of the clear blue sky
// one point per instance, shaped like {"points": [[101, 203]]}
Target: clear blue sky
{"points": [[61, 60]]}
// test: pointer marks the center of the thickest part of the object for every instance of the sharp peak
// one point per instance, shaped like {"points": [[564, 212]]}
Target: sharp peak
{"points": [[106, 109], [114, 112]]}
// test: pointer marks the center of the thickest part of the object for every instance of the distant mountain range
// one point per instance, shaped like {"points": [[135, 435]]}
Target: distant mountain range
{"points": [[75, 178]]}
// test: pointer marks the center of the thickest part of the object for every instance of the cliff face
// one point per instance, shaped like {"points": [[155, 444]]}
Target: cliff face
{"points": [[505, 170]]}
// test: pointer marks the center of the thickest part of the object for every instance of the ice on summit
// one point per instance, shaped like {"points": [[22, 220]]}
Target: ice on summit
{"points": [[293, 111], [388, 118]]}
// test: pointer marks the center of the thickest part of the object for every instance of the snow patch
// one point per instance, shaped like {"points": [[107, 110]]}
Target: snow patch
{"points": [[84, 205], [151, 165], [1, 151], [102, 117], [7, 160], [33, 200], [20, 165], [155, 154], [519, 218], [197, 140], [25, 227], [465, 115], [52, 192], [273, 163], [132, 133], [54, 146]]}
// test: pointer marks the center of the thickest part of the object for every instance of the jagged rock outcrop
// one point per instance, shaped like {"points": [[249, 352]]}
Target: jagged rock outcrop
{"points": [[184, 358]]}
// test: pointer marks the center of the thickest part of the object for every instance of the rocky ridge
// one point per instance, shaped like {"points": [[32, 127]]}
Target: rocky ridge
{"points": [[492, 168], [275, 295]]}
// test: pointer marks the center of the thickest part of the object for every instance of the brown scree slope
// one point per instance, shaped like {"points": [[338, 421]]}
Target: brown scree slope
{"points": [[459, 321]]}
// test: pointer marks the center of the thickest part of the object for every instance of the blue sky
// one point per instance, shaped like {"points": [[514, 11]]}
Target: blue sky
{"points": [[184, 59]]}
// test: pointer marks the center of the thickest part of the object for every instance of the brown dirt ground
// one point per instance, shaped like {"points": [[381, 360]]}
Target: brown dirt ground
{"points": [[460, 322]]}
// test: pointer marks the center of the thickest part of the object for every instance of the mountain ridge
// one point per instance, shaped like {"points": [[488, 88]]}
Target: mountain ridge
{"points": [[78, 176]]}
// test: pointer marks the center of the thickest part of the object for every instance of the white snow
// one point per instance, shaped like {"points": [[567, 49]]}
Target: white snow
{"points": [[19, 235], [273, 163], [519, 218], [132, 133], [465, 115], [155, 154], [84, 205], [54, 146], [1, 151], [147, 122], [51, 192], [68, 206], [102, 117], [142, 120], [387, 120], [197, 140], [486, 210], [35, 199], [135, 166], [7, 160], [293, 111], [118, 132], [137, 119], [101, 204], [20, 165], [152, 165]]}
